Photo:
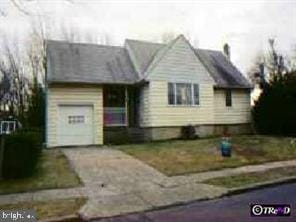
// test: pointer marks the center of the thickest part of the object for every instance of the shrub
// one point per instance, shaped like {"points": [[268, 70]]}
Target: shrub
{"points": [[274, 111], [188, 132], [21, 154]]}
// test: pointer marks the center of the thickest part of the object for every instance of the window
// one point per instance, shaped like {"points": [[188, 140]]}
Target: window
{"points": [[196, 94], [7, 127], [228, 98], [171, 93], [183, 94], [75, 119], [114, 96]]}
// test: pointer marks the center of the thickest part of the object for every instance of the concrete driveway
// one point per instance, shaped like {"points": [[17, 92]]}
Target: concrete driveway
{"points": [[117, 183]]}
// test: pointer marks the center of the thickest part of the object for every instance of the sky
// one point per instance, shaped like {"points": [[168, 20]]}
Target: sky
{"points": [[245, 25]]}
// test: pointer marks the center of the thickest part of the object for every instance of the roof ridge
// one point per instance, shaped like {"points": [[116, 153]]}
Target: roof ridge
{"points": [[84, 43], [208, 50], [165, 47], [145, 41]]}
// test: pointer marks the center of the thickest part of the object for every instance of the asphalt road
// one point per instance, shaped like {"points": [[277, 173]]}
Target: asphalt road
{"points": [[228, 209]]}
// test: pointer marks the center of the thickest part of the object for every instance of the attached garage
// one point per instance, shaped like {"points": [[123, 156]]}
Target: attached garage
{"points": [[74, 116], [75, 125]]}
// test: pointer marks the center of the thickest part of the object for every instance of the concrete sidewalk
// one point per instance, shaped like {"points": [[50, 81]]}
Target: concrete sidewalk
{"points": [[116, 183]]}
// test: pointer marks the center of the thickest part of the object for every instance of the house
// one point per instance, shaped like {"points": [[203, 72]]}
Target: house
{"points": [[8, 124], [97, 94]]}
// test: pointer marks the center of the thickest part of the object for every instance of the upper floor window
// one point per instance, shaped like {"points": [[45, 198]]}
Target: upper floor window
{"points": [[228, 97], [183, 94]]}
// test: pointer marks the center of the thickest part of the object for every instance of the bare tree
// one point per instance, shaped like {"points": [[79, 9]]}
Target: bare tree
{"points": [[14, 93], [166, 37], [20, 5], [36, 53], [21, 70], [254, 72], [271, 65]]}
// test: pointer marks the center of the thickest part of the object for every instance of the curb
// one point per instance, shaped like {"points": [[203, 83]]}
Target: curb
{"points": [[70, 218], [231, 192], [152, 208], [256, 186]]}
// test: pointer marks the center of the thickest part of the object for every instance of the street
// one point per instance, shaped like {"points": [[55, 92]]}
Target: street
{"points": [[228, 209]]}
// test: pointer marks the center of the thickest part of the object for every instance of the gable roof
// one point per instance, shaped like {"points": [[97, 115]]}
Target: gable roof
{"points": [[224, 73], [160, 54], [89, 63]]}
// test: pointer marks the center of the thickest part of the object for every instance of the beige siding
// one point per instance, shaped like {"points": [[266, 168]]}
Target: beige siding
{"points": [[74, 95], [180, 64], [162, 114], [144, 112], [240, 110]]}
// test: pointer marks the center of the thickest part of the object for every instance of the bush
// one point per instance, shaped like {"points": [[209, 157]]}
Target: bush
{"points": [[188, 132], [274, 111], [21, 153]]}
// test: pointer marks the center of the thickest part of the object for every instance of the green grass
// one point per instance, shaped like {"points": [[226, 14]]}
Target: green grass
{"points": [[50, 209], [181, 157], [251, 178], [53, 171]]}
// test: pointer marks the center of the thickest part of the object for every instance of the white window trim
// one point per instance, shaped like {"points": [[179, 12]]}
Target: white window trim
{"points": [[8, 122], [192, 95]]}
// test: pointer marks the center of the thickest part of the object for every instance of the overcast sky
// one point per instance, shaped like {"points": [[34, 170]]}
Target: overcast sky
{"points": [[245, 25]]}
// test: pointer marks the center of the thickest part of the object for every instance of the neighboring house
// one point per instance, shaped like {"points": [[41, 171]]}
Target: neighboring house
{"points": [[98, 94], [8, 124]]}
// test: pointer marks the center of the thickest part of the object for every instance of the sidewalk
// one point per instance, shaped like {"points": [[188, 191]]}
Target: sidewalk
{"points": [[116, 183]]}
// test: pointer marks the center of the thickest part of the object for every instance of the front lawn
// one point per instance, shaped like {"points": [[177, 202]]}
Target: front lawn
{"points": [[50, 209], [180, 157], [246, 179], [53, 171]]}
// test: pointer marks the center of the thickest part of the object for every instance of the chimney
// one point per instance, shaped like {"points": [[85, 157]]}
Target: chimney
{"points": [[226, 50]]}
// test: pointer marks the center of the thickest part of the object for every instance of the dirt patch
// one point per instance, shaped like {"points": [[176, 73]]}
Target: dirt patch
{"points": [[248, 151]]}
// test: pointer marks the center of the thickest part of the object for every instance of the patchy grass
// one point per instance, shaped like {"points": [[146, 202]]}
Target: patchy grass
{"points": [[49, 209], [53, 171], [252, 178], [180, 157]]}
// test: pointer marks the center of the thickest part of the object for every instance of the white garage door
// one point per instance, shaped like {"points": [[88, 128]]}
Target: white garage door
{"points": [[75, 125]]}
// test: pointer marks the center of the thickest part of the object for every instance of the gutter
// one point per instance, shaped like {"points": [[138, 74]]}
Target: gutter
{"points": [[233, 87]]}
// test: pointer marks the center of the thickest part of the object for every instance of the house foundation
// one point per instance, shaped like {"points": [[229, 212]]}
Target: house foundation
{"points": [[123, 135]]}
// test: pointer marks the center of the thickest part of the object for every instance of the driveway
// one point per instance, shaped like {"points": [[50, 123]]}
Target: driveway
{"points": [[117, 183]]}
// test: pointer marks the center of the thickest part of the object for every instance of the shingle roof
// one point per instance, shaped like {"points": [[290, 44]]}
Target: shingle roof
{"points": [[144, 52], [224, 73], [89, 63]]}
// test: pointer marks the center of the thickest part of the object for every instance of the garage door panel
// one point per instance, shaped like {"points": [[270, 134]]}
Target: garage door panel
{"points": [[75, 125]]}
